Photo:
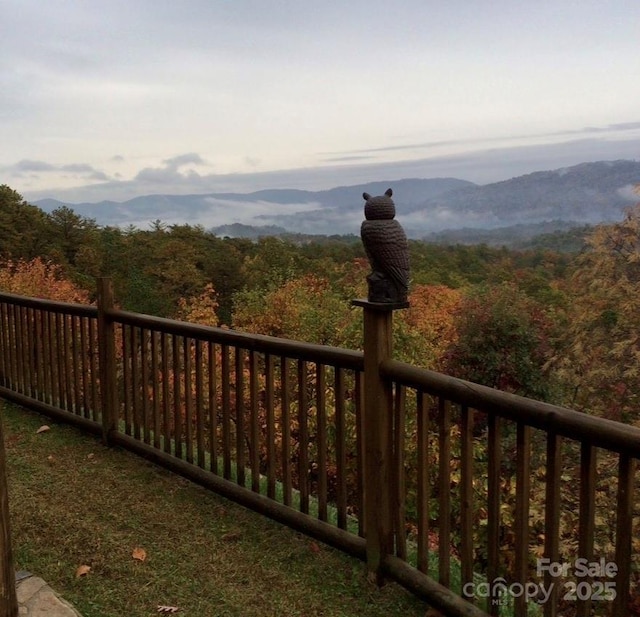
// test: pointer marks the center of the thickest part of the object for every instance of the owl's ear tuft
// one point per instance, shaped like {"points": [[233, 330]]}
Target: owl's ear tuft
{"points": [[366, 196], [388, 192]]}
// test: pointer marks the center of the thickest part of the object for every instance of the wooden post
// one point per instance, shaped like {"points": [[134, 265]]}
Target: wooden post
{"points": [[8, 599], [377, 435], [107, 355]]}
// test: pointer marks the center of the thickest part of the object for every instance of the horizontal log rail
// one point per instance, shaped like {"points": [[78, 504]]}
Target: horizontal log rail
{"points": [[335, 356], [576, 425]]}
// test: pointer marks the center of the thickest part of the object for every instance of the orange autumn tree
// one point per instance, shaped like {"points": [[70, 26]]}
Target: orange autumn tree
{"points": [[201, 309], [424, 331], [308, 308], [40, 279]]}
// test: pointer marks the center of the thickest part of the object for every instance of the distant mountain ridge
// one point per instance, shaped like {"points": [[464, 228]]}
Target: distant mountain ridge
{"points": [[583, 194], [586, 193]]}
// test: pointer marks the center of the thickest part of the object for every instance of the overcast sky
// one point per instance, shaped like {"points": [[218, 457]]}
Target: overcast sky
{"points": [[109, 99]]}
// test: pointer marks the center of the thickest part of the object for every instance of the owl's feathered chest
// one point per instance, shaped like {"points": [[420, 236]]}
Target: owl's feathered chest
{"points": [[385, 244]]}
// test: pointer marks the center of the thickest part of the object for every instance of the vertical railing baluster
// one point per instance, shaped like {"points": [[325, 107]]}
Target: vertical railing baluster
{"points": [[466, 495], [24, 344], [127, 370], [46, 366], [399, 490], [521, 523], [187, 365], [270, 419], [422, 489], [34, 355], [3, 346], [94, 364], [34, 352], [155, 389], [226, 412], [84, 354], [135, 382], [586, 530], [444, 497], [494, 445], [76, 355], [552, 518], [303, 443], [254, 421], [240, 420], [144, 388], [17, 313], [166, 392], [200, 405], [13, 347], [624, 526], [341, 448], [55, 369], [213, 408], [360, 450], [286, 431], [6, 345], [59, 318], [29, 352], [66, 354], [321, 441], [177, 401]]}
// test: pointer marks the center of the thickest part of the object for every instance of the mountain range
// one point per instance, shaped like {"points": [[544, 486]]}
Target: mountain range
{"points": [[582, 194]]}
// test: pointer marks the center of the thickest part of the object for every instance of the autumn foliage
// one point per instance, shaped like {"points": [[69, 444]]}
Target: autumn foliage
{"points": [[40, 279]]}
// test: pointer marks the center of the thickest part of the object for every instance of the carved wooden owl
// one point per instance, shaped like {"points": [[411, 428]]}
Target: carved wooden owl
{"points": [[385, 244]]}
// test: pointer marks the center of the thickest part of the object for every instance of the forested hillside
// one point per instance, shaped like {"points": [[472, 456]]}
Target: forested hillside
{"points": [[542, 322]]}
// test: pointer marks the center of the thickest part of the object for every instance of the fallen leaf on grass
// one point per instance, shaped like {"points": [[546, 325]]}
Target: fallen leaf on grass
{"points": [[314, 547], [167, 609], [432, 612], [139, 553], [231, 536], [50, 459], [82, 571], [43, 429]]}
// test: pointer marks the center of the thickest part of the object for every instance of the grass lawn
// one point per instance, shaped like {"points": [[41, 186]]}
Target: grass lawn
{"points": [[76, 503]]}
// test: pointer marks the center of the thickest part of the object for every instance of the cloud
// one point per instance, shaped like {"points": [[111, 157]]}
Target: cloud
{"points": [[487, 141], [344, 159], [191, 158], [170, 173], [625, 126], [33, 166], [78, 170]]}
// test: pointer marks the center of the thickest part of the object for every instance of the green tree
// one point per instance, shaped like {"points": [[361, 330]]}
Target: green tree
{"points": [[22, 227], [70, 233], [504, 340]]}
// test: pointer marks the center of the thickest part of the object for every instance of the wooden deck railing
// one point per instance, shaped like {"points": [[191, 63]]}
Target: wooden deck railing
{"points": [[470, 497]]}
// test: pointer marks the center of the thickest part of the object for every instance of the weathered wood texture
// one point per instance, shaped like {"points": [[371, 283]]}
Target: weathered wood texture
{"points": [[8, 600]]}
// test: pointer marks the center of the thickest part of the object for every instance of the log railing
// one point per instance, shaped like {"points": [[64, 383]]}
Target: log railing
{"points": [[470, 497]]}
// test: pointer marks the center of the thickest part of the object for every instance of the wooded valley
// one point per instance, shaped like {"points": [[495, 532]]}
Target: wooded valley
{"points": [[551, 324]]}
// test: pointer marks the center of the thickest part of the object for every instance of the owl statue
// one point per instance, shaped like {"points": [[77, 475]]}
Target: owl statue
{"points": [[385, 244]]}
